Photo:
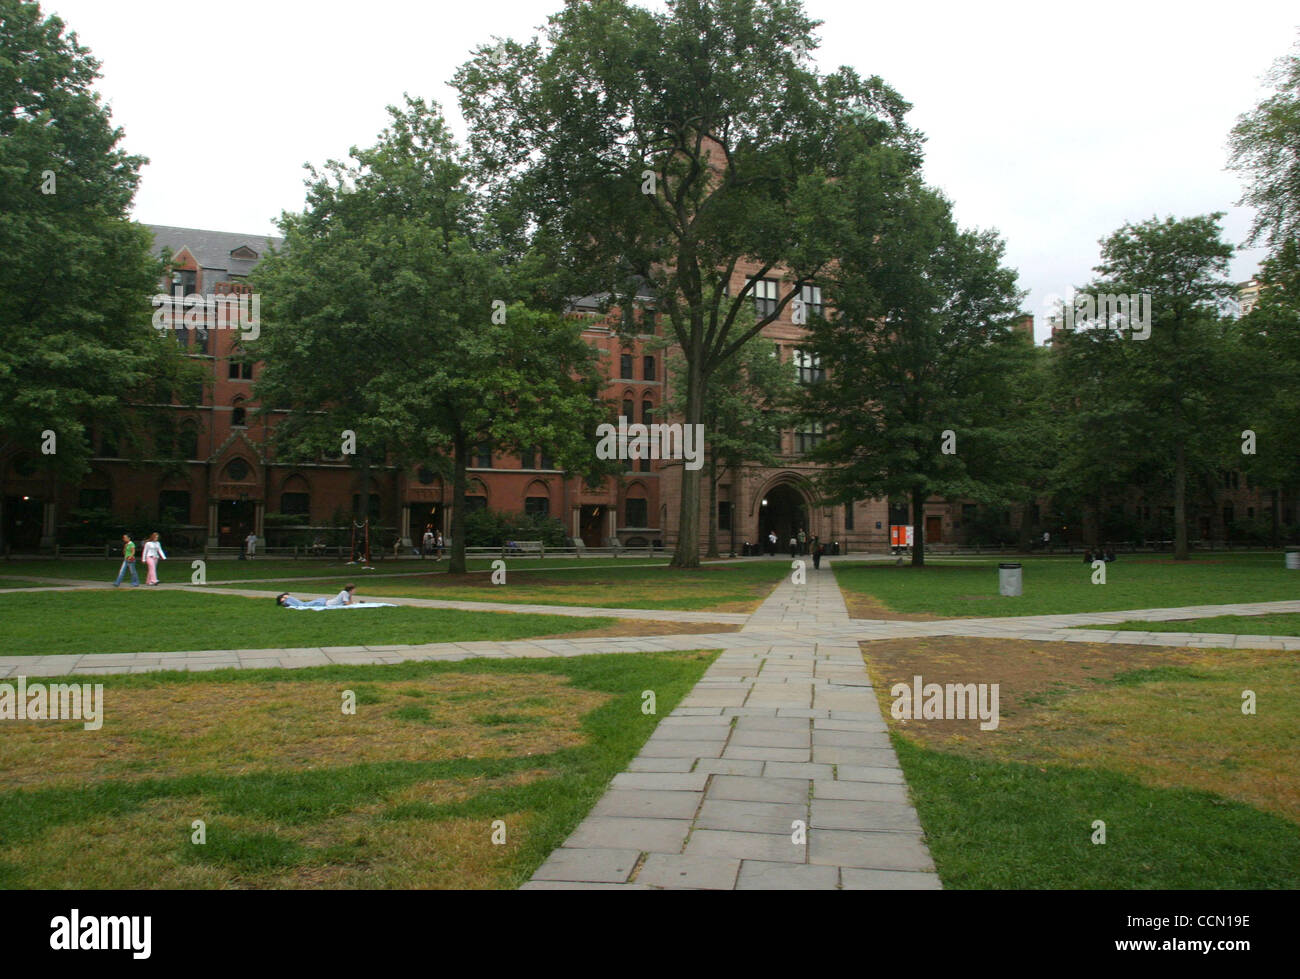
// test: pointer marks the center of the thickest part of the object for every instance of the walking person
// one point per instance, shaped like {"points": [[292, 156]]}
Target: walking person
{"points": [[428, 541], [794, 547], [437, 548], [250, 544], [803, 542], [128, 562], [153, 553], [818, 550], [771, 543]]}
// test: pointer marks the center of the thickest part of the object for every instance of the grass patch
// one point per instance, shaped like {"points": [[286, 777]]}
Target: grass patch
{"points": [[1281, 624], [711, 587], [1058, 586], [162, 621], [1151, 741], [296, 794]]}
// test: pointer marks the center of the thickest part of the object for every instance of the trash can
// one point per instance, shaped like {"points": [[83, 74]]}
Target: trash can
{"points": [[744, 549], [1009, 581], [835, 548], [1293, 558]]}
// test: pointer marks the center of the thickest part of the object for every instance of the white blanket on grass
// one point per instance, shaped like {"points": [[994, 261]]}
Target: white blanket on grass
{"points": [[317, 608]]}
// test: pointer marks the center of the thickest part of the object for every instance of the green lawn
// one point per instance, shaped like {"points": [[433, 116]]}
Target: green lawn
{"points": [[1064, 585], [295, 794], [138, 619], [178, 570], [1282, 624], [711, 587]]}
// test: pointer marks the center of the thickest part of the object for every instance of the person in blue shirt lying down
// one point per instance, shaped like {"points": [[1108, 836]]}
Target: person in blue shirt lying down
{"points": [[288, 601]]}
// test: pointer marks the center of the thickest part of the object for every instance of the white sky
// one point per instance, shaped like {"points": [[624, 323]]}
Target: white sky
{"points": [[1053, 124]]}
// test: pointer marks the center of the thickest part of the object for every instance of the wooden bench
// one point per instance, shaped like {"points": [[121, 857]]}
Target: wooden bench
{"points": [[520, 548]]}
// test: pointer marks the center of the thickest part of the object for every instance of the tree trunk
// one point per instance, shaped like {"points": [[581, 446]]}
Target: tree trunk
{"points": [[713, 508], [687, 554], [918, 528], [456, 556], [1275, 496], [363, 505], [1180, 502]]}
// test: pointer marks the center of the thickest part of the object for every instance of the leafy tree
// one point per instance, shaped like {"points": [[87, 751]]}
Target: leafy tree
{"points": [[748, 401], [389, 314], [662, 149], [77, 273], [1149, 412], [920, 358], [1266, 150]]}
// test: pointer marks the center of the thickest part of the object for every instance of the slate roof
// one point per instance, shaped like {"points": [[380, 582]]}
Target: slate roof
{"points": [[212, 248]]}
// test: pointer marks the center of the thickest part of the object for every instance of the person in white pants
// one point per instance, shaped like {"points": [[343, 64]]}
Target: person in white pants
{"points": [[250, 544], [153, 553]]}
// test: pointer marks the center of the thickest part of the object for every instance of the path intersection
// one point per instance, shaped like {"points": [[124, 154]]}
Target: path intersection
{"points": [[775, 771]]}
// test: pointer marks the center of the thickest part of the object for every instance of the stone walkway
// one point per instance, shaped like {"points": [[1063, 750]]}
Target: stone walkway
{"points": [[775, 772]]}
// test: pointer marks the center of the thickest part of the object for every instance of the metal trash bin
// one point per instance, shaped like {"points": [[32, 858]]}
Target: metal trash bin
{"points": [[835, 548], [1009, 580], [1293, 558]]}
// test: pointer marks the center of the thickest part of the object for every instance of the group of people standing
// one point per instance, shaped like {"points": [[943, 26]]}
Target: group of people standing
{"points": [[799, 544], [1097, 554], [432, 543], [152, 554]]}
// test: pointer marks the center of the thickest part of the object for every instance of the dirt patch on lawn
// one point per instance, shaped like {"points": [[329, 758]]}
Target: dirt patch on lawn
{"points": [[865, 607], [1169, 717]]}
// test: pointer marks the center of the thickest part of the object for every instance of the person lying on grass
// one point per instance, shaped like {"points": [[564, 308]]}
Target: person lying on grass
{"points": [[344, 597]]}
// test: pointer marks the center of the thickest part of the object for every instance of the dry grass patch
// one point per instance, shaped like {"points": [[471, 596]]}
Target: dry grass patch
{"points": [[1169, 718], [217, 728]]}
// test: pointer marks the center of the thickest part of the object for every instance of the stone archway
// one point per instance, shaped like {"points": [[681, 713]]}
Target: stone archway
{"points": [[785, 509]]}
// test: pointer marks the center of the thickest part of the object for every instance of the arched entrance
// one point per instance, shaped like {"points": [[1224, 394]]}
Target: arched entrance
{"points": [[782, 509]]}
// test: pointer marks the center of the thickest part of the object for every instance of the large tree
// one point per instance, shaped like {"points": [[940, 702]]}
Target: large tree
{"points": [[1266, 151], [1159, 410], [920, 357], [77, 274], [748, 402], [390, 314], [659, 150]]}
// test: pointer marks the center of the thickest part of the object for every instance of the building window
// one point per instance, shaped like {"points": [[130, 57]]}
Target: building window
{"points": [[967, 514], [635, 513], [898, 514], [188, 442], [764, 296], [628, 411], [426, 476], [809, 367], [808, 436], [483, 456], [200, 341], [240, 370], [848, 516], [1227, 515], [528, 458], [374, 505], [295, 504], [647, 412], [95, 499], [174, 505], [184, 280], [239, 416], [648, 368], [812, 299], [537, 506], [724, 515], [237, 471], [625, 366], [546, 462]]}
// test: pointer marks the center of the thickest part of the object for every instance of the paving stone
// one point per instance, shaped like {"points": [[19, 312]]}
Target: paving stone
{"points": [[751, 817], [824, 788], [855, 814], [795, 769], [745, 846], [649, 803], [681, 749], [855, 879], [675, 870], [565, 885], [860, 773], [729, 766], [662, 765], [874, 851], [611, 832], [866, 757], [749, 789], [748, 724], [771, 739], [749, 753], [684, 782], [851, 739], [590, 865], [762, 875]]}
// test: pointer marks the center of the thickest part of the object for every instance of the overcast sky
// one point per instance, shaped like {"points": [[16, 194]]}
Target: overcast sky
{"points": [[1053, 124]]}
